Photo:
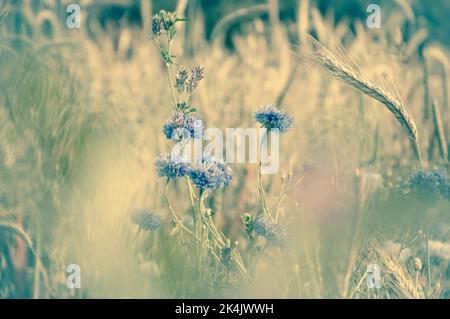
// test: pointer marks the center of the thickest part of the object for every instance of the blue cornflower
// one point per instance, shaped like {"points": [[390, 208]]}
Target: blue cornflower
{"points": [[157, 24], [171, 166], [429, 185], [264, 227], [163, 21], [146, 219], [168, 130], [210, 174], [183, 127], [272, 118]]}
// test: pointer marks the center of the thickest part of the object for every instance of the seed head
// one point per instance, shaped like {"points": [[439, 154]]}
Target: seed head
{"points": [[180, 79], [197, 74], [417, 264]]}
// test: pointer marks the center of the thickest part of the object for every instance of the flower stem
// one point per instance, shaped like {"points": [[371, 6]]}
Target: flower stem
{"points": [[187, 230], [262, 192], [169, 74], [218, 237], [428, 251], [191, 199]]}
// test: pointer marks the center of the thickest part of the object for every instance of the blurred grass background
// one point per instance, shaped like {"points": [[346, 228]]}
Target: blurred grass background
{"points": [[81, 113]]}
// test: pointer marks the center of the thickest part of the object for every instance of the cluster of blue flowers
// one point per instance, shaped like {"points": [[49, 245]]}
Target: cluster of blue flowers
{"points": [[146, 219], [273, 119], [183, 127], [266, 228], [209, 173], [170, 166], [429, 185], [206, 173]]}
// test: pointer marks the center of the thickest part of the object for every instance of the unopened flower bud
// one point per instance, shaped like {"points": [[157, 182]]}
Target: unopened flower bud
{"points": [[417, 264]]}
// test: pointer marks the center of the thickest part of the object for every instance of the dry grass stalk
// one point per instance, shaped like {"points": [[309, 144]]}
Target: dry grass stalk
{"points": [[439, 130], [347, 71], [222, 26], [398, 279]]}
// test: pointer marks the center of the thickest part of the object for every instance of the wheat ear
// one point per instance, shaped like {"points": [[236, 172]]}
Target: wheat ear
{"points": [[350, 73]]}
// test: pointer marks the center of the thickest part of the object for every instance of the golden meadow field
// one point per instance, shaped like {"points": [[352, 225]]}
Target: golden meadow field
{"points": [[359, 207]]}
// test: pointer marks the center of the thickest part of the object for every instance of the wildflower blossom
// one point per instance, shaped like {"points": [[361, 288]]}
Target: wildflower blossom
{"points": [[146, 219], [264, 227], [168, 19], [271, 118], [170, 166], [197, 74], [183, 127], [429, 185], [210, 174], [157, 24], [163, 20]]}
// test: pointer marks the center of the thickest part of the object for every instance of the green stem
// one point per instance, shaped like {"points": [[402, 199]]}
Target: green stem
{"points": [[239, 262], [169, 74], [428, 251], [37, 252], [187, 230], [262, 192], [200, 210], [36, 286], [278, 203], [218, 237], [191, 199]]}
